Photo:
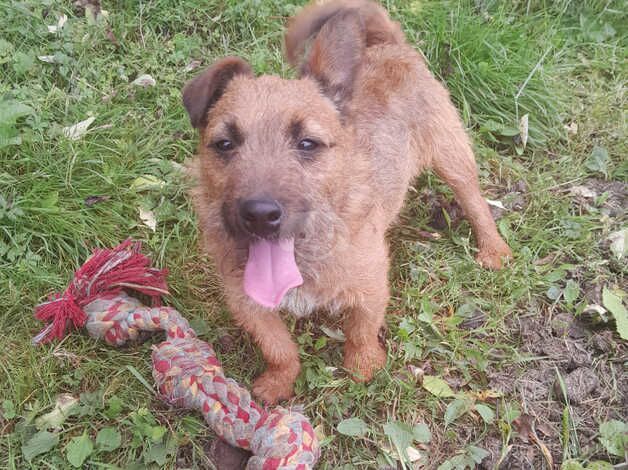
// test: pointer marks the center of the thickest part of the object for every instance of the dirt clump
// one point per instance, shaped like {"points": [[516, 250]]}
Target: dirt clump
{"points": [[578, 385]]}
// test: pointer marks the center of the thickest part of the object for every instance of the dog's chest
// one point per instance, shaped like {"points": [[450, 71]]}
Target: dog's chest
{"points": [[302, 303]]}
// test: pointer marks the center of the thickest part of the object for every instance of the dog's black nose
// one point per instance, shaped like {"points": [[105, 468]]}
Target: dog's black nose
{"points": [[260, 217]]}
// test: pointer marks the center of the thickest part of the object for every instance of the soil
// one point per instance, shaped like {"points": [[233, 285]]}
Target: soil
{"points": [[575, 368], [616, 196], [225, 456]]}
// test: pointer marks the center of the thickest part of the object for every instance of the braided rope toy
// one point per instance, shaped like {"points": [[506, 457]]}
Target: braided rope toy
{"points": [[186, 370]]}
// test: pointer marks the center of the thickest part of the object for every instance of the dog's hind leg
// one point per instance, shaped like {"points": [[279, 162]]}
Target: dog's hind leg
{"points": [[453, 161]]}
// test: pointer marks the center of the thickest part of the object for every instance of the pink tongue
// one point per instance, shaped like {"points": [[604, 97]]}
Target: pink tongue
{"points": [[271, 271]]}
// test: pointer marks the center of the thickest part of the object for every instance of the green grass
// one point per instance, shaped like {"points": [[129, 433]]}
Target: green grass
{"points": [[560, 62]]}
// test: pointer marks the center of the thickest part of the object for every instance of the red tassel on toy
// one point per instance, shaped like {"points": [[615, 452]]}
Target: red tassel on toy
{"points": [[107, 271]]}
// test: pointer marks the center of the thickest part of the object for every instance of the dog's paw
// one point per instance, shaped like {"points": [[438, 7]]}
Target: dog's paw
{"points": [[364, 362], [273, 386], [494, 256]]}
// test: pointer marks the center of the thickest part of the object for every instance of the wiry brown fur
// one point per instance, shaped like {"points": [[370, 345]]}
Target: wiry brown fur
{"points": [[381, 118]]}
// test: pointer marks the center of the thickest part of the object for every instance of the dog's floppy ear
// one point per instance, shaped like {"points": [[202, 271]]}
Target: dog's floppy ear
{"points": [[202, 92], [335, 54]]}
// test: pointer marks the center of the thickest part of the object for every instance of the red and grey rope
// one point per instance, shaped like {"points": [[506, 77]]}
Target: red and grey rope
{"points": [[186, 370]]}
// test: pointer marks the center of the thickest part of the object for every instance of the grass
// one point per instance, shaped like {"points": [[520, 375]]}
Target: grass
{"points": [[562, 63]]}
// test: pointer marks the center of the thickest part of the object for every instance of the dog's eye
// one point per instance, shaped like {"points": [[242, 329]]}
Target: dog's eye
{"points": [[307, 145], [223, 145]]}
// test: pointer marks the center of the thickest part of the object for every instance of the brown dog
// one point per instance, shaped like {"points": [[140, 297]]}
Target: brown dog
{"points": [[297, 181]]}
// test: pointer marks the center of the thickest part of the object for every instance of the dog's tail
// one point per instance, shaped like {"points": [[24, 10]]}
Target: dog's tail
{"points": [[379, 28]]}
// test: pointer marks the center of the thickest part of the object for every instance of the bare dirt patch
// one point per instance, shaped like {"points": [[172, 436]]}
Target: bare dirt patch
{"points": [[573, 381]]}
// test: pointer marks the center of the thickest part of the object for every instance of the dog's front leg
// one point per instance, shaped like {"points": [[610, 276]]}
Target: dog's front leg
{"points": [[363, 354], [281, 354]]}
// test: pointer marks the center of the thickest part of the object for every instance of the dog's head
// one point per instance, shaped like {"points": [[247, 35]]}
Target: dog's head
{"points": [[270, 147], [273, 153]]}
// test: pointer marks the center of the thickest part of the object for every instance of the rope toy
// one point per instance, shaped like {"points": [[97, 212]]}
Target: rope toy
{"points": [[186, 370]]}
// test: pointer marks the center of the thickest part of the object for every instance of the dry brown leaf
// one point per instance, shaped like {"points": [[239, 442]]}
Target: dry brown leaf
{"points": [[524, 425]]}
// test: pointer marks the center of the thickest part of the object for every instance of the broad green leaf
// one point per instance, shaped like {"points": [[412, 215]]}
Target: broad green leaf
{"points": [[477, 453], [65, 405], [614, 437], [320, 343], [571, 465], [437, 386], [400, 435], [6, 48], [159, 452], [422, 433], [9, 136], [40, 443], [613, 303], [108, 439], [571, 292], [79, 449], [90, 402], [200, 326], [156, 433], [8, 409], [599, 465], [23, 63], [457, 462], [114, 406], [354, 427], [11, 111], [156, 453], [487, 414], [572, 229], [555, 275], [598, 160], [456, 409], [406, 326]]}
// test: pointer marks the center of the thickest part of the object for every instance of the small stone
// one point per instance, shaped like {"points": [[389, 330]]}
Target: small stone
{"points": [[578, 356], [577, 330], [603, 341]]}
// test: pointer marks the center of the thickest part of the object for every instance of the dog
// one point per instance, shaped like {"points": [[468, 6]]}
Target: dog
{"points": [[297, 181]]}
